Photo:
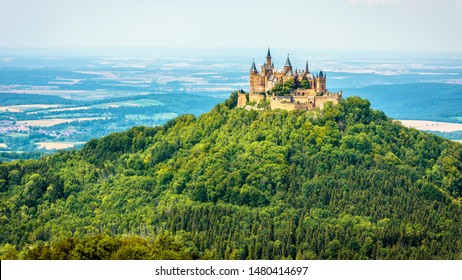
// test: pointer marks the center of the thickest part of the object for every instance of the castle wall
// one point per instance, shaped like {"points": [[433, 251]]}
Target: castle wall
{"points": [[304, 92], [282, 102], [279, 104], [305, 100], [257, 84], [304, 106], [241, 100], [257, 98], [321, 100]]}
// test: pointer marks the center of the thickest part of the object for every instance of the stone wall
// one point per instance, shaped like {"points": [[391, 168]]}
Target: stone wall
{"points": [[304, 92], [241, 99], [321, 100], [282, 102], [257, 83], [257, 98]]}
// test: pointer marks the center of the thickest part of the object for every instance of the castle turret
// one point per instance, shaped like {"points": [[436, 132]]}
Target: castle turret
{"points": [[307, 69], [268, 58], [253, 69], [257, 81], [288, 65], [320, 82]]}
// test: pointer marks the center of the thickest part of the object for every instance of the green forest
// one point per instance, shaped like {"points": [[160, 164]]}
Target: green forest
{"points": [[346, 182]]}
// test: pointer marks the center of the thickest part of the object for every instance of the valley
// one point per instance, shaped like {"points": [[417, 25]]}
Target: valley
{"points": [[74, 99]]}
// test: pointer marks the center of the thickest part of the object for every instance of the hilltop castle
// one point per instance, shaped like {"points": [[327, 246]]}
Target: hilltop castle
{"points": [[287, 89]]}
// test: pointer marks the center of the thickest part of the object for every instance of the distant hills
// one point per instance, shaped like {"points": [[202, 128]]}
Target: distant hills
{"points": [[423, 101], [20, 99], [343, 183]]}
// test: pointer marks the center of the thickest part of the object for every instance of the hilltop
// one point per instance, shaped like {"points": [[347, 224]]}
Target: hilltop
{"points": [[346, 182]]}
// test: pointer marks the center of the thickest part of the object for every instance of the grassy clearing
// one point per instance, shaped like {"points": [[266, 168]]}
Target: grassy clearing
{"points": [[57, 145]]}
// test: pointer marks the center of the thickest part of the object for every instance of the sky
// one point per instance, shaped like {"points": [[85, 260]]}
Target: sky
{"points": [[383, 25]]}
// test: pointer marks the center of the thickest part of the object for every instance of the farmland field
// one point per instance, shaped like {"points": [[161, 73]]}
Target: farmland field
{"points": [[432, 126], [70, 99], [57, 145], [52, 122], [25, 108]]}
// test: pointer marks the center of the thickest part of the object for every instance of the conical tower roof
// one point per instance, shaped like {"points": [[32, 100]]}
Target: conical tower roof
{"points": [[253, 68], [288, 61], [269, 53]]}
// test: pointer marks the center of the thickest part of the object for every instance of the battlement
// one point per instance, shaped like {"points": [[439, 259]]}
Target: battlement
{"points": [[287, 89]]}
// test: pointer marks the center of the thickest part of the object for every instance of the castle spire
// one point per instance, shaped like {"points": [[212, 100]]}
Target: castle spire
{"points": [[307, 69], [253, 68], [288, 61], [268, 58]]}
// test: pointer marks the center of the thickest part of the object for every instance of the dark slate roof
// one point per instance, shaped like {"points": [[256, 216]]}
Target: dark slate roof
{"points": [[288, 61], [253, 68]]}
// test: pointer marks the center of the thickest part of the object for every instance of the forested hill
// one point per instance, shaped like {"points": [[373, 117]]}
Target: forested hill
{"points": [[344, 183]]}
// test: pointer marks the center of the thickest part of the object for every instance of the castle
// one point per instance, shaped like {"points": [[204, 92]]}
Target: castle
{"points": [[286, 89]]}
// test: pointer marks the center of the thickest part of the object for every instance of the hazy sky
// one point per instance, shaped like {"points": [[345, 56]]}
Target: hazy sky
{"points": [[416, 25]]}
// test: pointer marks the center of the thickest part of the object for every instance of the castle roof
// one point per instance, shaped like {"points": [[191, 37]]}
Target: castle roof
{"points": [[288, 61], [269, 53], [253, 68]]}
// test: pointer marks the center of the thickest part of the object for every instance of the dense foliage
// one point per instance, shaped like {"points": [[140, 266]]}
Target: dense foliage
{"points": [[289, 86], [344, 183], [100, 247]]}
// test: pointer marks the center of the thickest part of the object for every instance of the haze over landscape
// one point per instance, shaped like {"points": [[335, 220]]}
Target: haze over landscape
{"points": [[390, 25]]}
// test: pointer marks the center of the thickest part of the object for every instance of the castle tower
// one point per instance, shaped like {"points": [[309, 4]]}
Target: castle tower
{"points": [[288, 65], [256, 80], [321, 82], [241, 98], [268, 58], [307, 69], [253, 69]]}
